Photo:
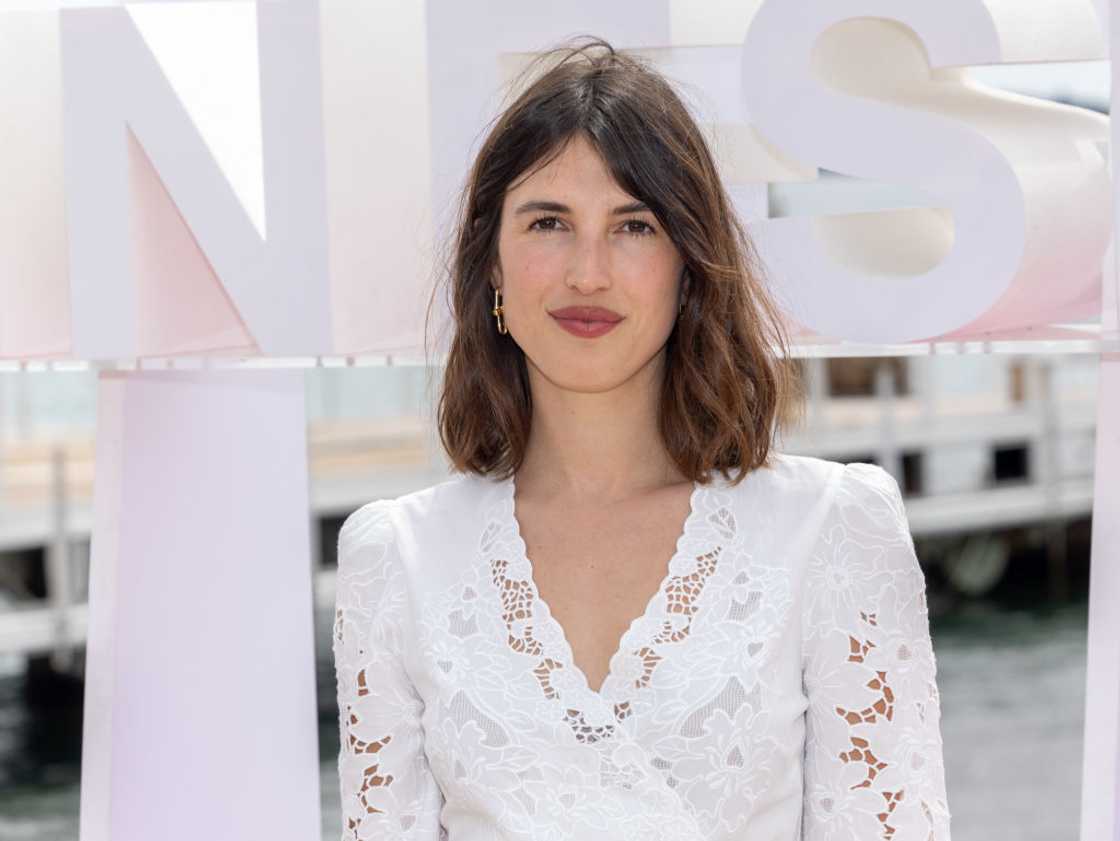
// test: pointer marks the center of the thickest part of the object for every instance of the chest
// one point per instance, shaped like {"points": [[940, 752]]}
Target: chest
{"points": [[598, 570], [696, 700]]}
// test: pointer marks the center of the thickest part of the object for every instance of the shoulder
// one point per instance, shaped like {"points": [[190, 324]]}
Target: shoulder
{"points": [[812, 477], [797, 483], [798, 471], [863, 549], [434, 511], [436, 505], [365, 544], [801, 494], [372, 521], [869, 498], [867, 527], [856, 495]]}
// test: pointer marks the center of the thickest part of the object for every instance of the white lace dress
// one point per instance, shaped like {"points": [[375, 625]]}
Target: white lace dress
{"points": [[780, 685]]}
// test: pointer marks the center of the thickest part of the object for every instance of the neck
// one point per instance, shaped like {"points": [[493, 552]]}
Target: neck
{"points": [[597, 445]]}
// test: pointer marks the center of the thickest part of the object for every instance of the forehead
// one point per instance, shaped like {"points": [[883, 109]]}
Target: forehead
{"points": [[578, 171]]}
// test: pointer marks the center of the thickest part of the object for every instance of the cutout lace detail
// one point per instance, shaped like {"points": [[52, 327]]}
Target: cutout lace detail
{"points": [[793, 593], [685, 731], [876, 751], [379, 730], [534, 631]]}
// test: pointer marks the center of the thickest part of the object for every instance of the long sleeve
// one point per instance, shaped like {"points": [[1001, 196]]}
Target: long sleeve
{"points": [[387, 788], [873, 765]]}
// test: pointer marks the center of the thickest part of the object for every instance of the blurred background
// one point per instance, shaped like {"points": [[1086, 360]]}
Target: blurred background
{"points": [[994, 452]]}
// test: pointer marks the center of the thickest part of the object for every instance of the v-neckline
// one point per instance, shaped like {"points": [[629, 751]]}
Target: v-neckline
{"points": [[654, 606]]}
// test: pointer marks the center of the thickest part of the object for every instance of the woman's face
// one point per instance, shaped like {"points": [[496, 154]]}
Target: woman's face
{"points": [[571, 237]]}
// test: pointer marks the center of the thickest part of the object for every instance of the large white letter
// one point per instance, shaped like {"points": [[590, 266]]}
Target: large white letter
{"points": [[1018, 217]]}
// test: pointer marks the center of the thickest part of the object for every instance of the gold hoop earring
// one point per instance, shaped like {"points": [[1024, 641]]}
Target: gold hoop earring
{"points": [[498, 310]]}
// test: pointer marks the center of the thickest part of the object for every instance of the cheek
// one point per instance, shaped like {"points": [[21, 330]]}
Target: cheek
{"points": [[654, 281], [531, 270]]}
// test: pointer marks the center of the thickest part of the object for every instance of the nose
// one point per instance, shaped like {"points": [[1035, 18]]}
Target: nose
{"points": [[589, 269]]}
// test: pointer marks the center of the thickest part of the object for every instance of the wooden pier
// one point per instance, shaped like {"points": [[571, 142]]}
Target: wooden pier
{"points": [[46, 483]]}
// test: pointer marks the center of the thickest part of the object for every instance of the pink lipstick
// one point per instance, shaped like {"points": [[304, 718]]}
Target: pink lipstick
{"points": [[588, 322]]}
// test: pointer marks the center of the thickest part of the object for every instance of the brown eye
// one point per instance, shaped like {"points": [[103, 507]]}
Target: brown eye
{"points": [[643, 229], [548, 226]]}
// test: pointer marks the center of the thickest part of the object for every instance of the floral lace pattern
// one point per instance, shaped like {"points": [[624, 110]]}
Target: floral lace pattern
{"points": [[666, 620], [779, 682], [386, 787], [681, 718], [873, 759]]}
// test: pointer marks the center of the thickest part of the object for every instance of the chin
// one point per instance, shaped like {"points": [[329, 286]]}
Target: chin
{"points": [[584, 380]]}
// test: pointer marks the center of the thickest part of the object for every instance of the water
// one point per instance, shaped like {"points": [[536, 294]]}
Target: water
{"points": [[1012, 684], [1012, 688]]}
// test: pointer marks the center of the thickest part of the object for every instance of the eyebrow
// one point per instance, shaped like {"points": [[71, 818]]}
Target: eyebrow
{"points": [[557, 207]]}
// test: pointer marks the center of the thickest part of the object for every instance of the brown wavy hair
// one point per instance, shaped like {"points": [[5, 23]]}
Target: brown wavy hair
{"points": [[729, 382]]}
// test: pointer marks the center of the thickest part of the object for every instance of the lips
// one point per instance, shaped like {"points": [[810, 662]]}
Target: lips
{"points": [[586, 329], [586, 314]]}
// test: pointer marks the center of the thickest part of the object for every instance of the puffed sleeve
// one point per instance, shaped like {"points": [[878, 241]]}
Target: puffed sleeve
{"points": [[873, 765], [387, 788]]}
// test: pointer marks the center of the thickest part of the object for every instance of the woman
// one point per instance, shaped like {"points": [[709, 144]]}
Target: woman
{"points": [[627, 617]]}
